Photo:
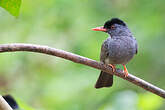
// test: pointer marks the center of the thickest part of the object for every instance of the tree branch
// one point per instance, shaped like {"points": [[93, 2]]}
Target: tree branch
{"points": [[82, 60], [4, 105]]}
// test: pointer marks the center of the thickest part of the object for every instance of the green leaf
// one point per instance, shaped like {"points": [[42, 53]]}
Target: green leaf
{"points": [[12, 6]]}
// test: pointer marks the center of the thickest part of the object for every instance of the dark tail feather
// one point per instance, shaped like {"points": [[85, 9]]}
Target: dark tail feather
{"points": [[104, 80], [11, 101]]}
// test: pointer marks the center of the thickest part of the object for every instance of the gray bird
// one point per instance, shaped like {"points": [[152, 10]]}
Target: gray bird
{"points": [[118, 48]]}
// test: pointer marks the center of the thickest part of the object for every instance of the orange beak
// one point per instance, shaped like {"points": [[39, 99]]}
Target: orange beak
{"points": [[99, 29]]}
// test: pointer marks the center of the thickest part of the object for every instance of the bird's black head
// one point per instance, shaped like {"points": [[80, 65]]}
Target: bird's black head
{"points": [[114, 27], [110, 23]]}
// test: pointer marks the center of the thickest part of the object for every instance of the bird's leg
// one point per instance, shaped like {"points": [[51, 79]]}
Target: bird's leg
{"points": [[113, 67], [125, 71]]}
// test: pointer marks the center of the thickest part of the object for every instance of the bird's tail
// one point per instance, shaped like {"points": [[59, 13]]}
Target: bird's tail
{"points": [[104, 80], [11, 101]]}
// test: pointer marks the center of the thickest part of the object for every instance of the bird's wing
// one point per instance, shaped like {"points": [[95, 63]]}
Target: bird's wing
{"points": [[104, 52], [136, 48], [105, 79]]}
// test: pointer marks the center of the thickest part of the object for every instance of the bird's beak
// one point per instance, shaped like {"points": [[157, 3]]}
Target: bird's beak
{"points": [[101, 28]]}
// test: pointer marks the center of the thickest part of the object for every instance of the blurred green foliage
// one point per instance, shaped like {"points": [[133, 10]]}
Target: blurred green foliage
{"points": [[45, 82], [12, 6]]}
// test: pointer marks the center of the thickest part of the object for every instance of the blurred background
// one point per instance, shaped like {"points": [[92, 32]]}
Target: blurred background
{"points": [[42, 82]]}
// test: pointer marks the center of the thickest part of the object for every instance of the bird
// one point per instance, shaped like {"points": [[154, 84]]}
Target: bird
{"points": [[118, 48]]}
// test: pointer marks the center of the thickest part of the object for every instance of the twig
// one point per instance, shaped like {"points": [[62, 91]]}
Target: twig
{"points": [[4, 105], [82, 60]]}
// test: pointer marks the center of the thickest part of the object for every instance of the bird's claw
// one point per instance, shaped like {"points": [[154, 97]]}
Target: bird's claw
{"points": [[125, 71], [113, 67], [125, 74]]}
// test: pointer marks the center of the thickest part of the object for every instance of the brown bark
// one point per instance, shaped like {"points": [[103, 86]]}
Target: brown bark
{"points": [[82, 60]]}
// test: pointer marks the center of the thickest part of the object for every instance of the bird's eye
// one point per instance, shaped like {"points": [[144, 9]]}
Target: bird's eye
{"points": [[112, 27]]}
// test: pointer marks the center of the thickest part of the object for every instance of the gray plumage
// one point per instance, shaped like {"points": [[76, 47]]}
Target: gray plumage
{"points": [[118, 48]]}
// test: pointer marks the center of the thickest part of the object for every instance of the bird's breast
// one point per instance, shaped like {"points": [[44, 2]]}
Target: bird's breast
{"points": [[120, 51]]}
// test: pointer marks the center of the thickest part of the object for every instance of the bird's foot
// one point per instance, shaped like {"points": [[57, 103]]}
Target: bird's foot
{"points": [[113, 67], [125, 71]]}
